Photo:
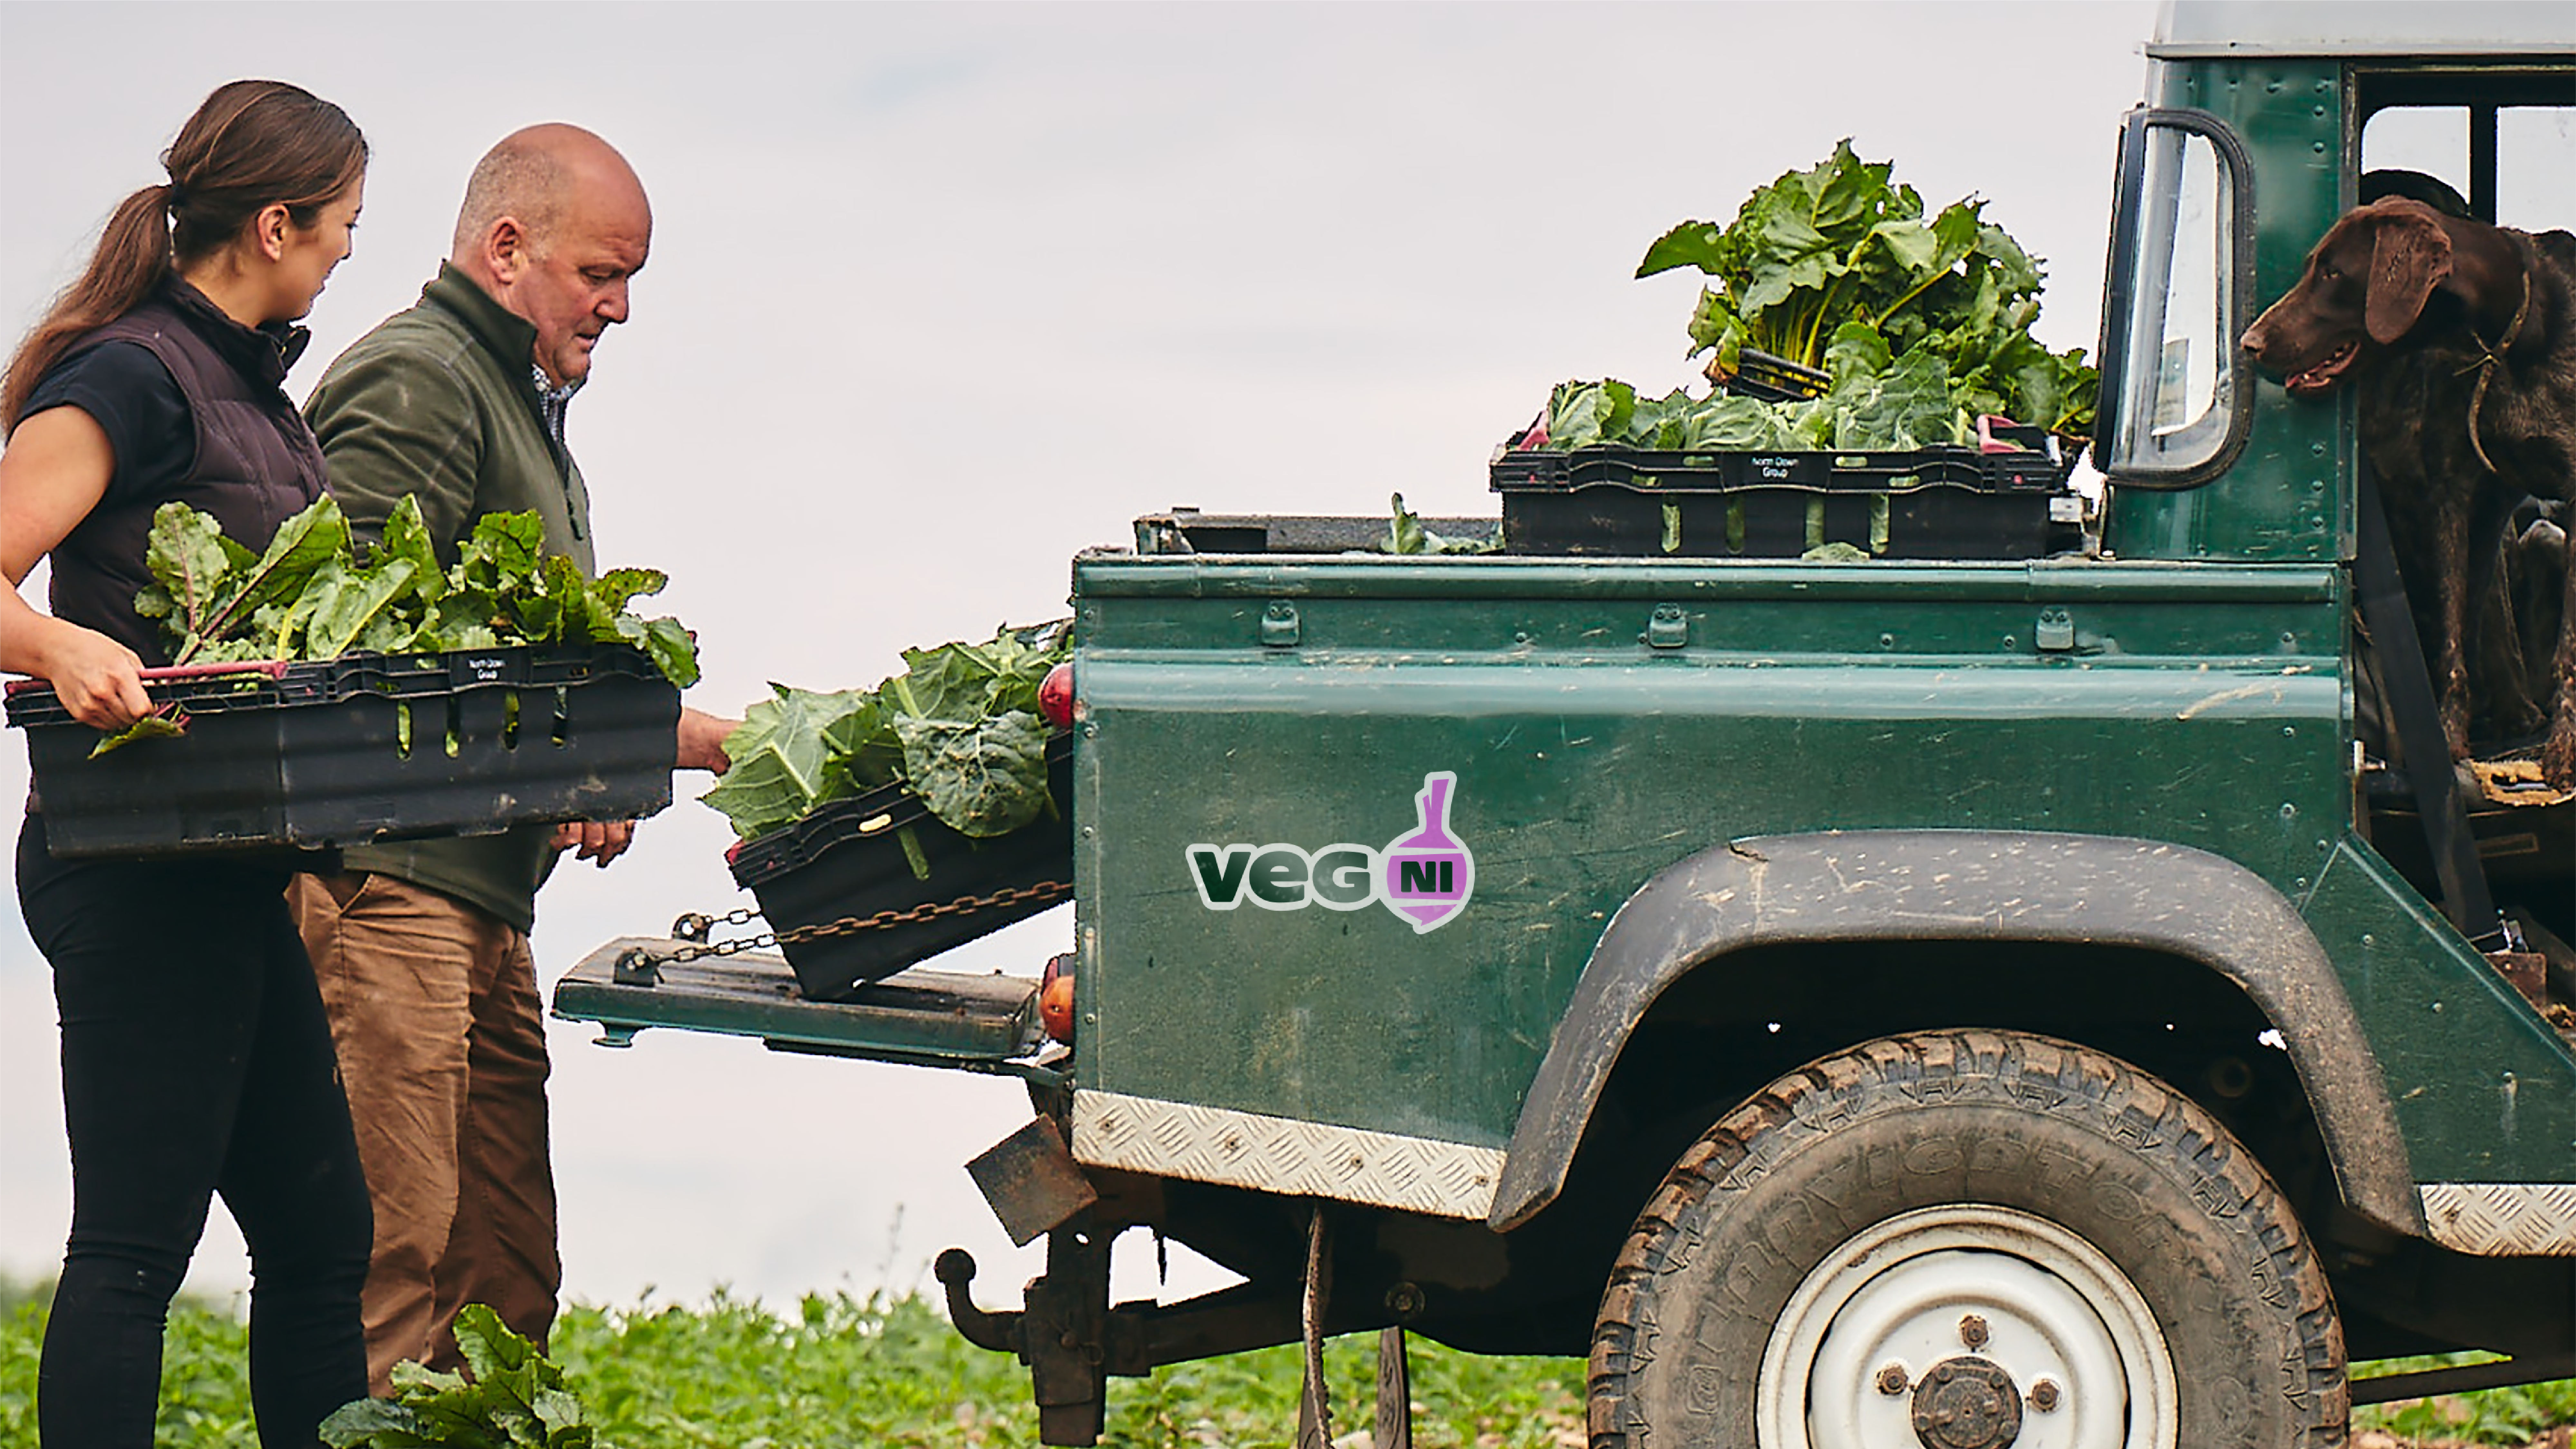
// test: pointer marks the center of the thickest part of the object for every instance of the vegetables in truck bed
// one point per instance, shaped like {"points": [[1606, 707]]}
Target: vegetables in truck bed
{"points": [[1406, 535], [959, 728], [308, 596], [1923, 323]]}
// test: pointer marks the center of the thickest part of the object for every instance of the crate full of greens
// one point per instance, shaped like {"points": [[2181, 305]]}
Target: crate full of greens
{"points": [[881, 827], [321, 700], [1875, 392]]}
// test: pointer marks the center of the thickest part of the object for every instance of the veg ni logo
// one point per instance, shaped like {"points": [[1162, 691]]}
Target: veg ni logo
{"points": [[1424, 876]]}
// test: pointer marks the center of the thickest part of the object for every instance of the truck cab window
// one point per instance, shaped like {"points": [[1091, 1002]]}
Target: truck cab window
{"points": [[2429, 141], [2171, 380], [2496, 144], [2536, 167]]}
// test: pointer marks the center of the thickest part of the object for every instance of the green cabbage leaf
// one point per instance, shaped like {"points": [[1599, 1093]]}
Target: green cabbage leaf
{"points": [[959, 728]]}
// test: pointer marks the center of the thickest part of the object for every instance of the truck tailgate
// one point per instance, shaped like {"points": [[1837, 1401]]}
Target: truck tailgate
{"points": [[933, 1018]]}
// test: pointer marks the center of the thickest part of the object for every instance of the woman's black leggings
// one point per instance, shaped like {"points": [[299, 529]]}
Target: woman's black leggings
{"points": [[196, 1060]]}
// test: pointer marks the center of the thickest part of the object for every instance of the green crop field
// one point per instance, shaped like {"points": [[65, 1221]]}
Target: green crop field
{"points": [[889, 1374]]}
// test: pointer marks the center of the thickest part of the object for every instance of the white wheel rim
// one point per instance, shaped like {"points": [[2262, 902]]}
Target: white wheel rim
{"points": [[2051, 1306]]}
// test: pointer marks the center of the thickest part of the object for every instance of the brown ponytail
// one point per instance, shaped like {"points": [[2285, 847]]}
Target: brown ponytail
{"points": [[253, 144]]}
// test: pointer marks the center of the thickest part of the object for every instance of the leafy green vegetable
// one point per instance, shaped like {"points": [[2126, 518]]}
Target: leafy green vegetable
{"points": [[983, 777], [308, 597], [783, 758], [354, 604], [150, 727], [510, 1395], [1582, 414], [665, 641], [959, 728], [1839, 268], [1406, 535], [191, 562], [1908, 406], [1722, 422]]}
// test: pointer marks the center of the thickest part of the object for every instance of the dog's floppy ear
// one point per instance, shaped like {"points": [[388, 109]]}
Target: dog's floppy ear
{"points": [[2410, 255]]}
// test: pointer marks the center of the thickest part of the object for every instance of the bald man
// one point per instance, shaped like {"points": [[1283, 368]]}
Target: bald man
{"points": [[422, 947]]}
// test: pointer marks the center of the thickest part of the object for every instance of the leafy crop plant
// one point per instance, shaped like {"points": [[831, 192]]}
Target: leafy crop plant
{"points": [[959, 728], [1920, 324]]}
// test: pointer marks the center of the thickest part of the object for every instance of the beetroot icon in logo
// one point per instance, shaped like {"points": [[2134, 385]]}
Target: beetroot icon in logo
{"points": [[1428, 875], [1424, 877]]}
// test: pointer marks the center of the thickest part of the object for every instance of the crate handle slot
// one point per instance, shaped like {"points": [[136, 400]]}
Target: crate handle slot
{"points": [[510, 719], [455, 725], [402, 730], [562, 732]]}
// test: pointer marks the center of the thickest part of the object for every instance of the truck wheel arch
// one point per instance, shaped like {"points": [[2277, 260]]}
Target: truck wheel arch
{"points": [[1967, 885]]}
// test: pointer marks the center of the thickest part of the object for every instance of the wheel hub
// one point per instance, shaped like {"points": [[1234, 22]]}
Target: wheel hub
{"points": [[1967, 1403], [2023, 1331]]}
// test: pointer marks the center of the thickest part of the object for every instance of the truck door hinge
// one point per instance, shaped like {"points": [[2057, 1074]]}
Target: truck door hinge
{"points": [[1279, 626], [2054, 631], [1667, 628]]}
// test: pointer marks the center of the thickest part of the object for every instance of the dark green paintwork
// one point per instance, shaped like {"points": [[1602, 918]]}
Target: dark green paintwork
{"points": [[2205, 703], [2202, 704], [2287, 495], [2481, 1084]]}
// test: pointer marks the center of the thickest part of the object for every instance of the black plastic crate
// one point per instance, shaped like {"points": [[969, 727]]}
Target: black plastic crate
{"points": [[850, 858], [1930, 503], [362, 748]]}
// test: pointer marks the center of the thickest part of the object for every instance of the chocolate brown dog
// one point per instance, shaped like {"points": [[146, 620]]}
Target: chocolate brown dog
{"points": [[2461, 338]]}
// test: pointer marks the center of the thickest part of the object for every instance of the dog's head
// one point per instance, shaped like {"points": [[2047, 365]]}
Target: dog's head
{"points": [[2364, 288]]}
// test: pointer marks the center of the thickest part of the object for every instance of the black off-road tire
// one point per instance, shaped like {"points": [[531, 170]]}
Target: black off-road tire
{"points": [[1931, 1120]]}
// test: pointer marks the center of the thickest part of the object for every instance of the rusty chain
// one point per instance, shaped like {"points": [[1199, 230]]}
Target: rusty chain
{"points": [[694, 926]]}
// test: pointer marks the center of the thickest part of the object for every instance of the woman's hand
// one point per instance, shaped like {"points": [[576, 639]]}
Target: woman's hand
{"points": [[53, 473], [99, 680]]}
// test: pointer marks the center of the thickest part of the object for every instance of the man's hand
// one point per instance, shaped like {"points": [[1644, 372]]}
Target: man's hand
{"points": [[702, 738], [595, 840]]}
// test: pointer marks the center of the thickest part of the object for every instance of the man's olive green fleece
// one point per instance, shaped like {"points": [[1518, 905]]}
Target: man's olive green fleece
{"points": [[438, 402]]}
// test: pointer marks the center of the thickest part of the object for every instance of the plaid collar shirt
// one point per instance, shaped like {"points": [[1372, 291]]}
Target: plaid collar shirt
{"points": [[553, 402]]}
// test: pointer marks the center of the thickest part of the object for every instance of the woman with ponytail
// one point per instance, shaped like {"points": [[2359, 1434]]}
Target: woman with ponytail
{"points": [[195, 1056]]}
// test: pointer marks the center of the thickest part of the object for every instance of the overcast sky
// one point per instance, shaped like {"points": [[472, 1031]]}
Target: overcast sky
{"points": [[940, 295]]}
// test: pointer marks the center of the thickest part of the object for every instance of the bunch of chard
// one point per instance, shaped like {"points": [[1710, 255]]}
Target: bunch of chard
{"points": [[307, 596], [310, 597], [1922, 323]]}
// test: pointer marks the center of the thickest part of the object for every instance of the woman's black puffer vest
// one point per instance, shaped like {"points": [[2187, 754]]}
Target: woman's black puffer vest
{"points": [[256, 463]]}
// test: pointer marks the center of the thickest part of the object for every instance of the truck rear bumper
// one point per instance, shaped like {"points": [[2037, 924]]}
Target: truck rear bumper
{"points": [[930, 1018]]}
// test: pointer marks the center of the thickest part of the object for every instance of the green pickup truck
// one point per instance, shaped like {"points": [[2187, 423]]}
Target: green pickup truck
{"points": [[1951, 1002]]}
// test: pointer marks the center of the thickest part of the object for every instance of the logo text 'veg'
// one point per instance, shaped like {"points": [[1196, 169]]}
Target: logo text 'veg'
{"points": [[1425, 876]]}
